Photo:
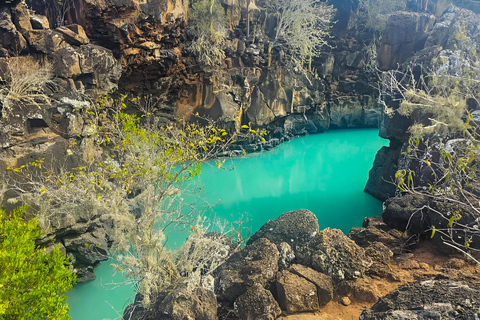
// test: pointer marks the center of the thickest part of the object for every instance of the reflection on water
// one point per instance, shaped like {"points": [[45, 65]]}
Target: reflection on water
{"points": [[325, 173]]}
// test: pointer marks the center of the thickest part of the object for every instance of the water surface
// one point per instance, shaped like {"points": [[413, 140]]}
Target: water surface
{"points": [[324, 173]]}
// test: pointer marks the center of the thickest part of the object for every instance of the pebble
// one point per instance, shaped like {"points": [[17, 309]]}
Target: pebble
{"points": [[345, 301]]}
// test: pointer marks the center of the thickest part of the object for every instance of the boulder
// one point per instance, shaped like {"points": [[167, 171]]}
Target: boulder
{"points": [[331, 252], [94, 67], [296, 294], [257, 303], [256, 264], [323, 282], [21, 17], [187, 303], [374, 230], [45, 41], [74, 35], [432, 299], [10, 39], [293, 227], [39, 22], [381, 256]]}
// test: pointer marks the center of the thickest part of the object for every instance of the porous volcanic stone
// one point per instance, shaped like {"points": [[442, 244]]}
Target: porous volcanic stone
{"points": [[331, 252], [257, 264], [296, 294], [432, 299], [257, 303], [323, 282], [293, 227]]}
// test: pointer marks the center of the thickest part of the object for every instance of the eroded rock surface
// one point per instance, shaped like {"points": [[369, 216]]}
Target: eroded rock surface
{"points": [[256, 264], [431, 299]]}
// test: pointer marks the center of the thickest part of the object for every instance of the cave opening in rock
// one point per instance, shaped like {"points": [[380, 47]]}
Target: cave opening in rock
{"points": [[36, 123]]}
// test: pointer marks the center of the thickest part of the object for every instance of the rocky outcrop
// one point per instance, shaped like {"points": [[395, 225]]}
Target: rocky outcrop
{"points": [[30, 132], [444, 45], [432, 299]]}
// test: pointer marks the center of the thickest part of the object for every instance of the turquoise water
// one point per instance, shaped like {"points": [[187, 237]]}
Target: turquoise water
{"points": [[325, 173]]}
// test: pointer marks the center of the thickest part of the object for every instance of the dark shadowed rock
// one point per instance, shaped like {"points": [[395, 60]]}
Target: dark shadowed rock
{"points": [[21, 17], [185, 303], [333, 253], [10, 38], [39, 22], [257, 303], [295, 293], [405, 34], [382, 174], [432, 299], [406, 213], [256, 264], [374, 230], [323, 282], [293, 227]]}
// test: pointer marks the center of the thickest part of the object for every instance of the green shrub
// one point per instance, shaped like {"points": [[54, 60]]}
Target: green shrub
{"points": [[32, 281]]}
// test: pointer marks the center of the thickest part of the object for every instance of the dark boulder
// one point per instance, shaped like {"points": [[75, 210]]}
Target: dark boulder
{"points": [[296, 294], [256, 264], [374, 230], [257, 303], [432, 299], [74, 35], [293, 227], [331, 252], [323, 282], [11, 39], [187, 303]]}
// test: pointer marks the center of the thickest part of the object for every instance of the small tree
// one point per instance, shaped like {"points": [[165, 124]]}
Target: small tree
{"points": [[208, 25], [303, 28], [32, 281]]}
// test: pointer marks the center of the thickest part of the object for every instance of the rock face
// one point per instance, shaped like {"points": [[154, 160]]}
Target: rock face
{"points": [[422, 42], [29, 132], [405, 34], [433, 299]]}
